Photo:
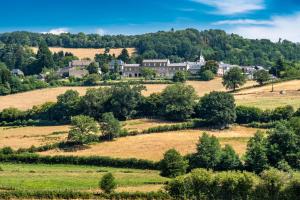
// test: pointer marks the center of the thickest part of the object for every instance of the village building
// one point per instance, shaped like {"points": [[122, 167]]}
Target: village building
{"points": [[76, 68], [17, 72]]}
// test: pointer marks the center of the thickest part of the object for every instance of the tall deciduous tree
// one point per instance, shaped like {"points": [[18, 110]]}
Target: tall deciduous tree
{"points": [[124, 56], [83, 130], [217, 108], [173, 164], [261, 76], [234, 78], [256, 155], [208, 153], [110, 126], [178, 101]]}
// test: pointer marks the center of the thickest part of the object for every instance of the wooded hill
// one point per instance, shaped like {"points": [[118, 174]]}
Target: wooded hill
{"points": [[175, 45]]}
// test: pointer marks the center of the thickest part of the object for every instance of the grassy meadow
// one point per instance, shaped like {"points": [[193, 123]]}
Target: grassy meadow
{"points": [[77, 178], [153, 146]]}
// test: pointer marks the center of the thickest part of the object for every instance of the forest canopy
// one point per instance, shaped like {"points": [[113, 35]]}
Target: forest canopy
{"points": [[178, 46]]}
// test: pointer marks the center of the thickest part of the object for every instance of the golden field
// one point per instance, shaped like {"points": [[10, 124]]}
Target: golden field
{"points": [[87, 52], [153, 146], [25, 137]]}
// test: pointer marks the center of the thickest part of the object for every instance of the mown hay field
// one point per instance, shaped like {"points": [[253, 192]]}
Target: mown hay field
{"points": [[77, 178], [87, 52], [153, 146], [285, 93], [25, 137]]}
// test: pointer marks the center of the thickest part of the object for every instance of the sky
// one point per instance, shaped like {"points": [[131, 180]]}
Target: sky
{"points": [[255, 19]]}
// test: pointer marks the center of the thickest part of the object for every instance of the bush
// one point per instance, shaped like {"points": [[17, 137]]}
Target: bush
{"points": [[6, 150], [203, 184], [173, 164], [207, 75], [246, 115], [108, 183], [282, 113]]}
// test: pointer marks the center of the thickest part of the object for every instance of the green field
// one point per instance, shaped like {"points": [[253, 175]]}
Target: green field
{"points": [[77, 178]]}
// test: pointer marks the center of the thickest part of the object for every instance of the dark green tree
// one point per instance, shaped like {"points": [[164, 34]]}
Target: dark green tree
{"points": [[234, 78], [95, 102], [208, 153], [124, 56], [108, 183], [125, 100], [148, 73], [207, 75], [217, 108], [44, 58], [210, 65], [178, 101], [229, 159], [256, 155], [68, 104], [179, 77], [93, 68], [283, 144], [261, 76], [173, 164]]}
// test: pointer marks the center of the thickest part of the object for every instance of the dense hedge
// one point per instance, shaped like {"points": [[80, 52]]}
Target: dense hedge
{"points": [[203, 184], [68, 194], [246, 115], [76, 160]]}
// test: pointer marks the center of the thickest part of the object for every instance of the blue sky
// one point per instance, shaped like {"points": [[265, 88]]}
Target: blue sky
{"points": [[272, 19]]}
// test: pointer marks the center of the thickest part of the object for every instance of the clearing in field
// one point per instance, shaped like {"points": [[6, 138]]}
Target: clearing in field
{"points": [[87, 52], [263, 98], [25, 137], [153, 146], [77, 178], [143, 124]]}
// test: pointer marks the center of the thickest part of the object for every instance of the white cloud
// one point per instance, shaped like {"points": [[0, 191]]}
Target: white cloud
{"points": [[58, 31], [100, 31], [243, 22], [285, 27], [232, 7]]}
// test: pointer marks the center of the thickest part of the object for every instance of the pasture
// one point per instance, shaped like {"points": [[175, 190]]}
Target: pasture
{"points": [[87, 52], [25, 137], [76, 178], [153, 146]]}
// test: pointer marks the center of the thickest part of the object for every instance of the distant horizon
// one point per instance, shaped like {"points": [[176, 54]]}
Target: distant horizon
{"points": [[253, 19]]}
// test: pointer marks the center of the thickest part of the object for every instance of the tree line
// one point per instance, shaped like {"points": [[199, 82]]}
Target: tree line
{"points": [[176, 45]]}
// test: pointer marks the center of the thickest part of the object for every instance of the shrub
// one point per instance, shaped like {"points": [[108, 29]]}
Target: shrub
{"points": [[179, 76], [207, 75], [245, 115], [108, 183], [282, 113], [6, 150], [173, 164]]}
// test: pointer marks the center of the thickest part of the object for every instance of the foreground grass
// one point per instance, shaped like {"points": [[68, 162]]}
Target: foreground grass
{"points": [[75, 178]]}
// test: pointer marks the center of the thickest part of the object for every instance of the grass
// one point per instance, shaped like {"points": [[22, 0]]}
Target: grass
{"points": [[153, 146], [79, 178], [87, 52], [25, 137], [263, 98], [143, 124]]}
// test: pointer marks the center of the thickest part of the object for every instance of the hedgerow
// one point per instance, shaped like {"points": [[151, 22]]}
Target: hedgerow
{"points": [[77, 160]]}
